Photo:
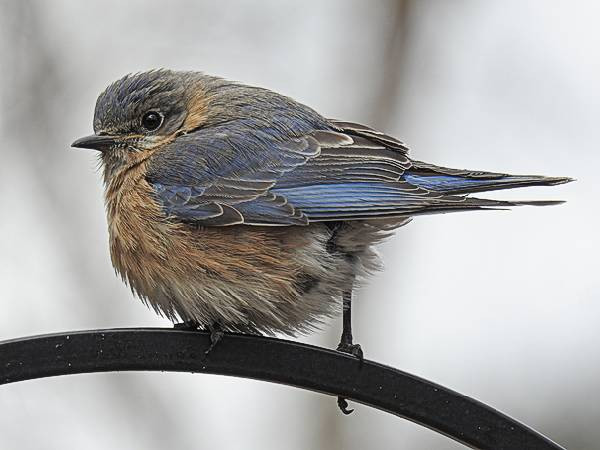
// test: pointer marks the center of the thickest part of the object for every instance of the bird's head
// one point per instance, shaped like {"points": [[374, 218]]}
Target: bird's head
{"points": [[143, 111]]}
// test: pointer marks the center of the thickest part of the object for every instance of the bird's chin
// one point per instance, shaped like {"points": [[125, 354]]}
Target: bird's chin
{"points": [[114, 160]]}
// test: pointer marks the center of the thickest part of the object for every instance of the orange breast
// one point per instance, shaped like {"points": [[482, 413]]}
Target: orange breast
{"points": [[196, 273]]}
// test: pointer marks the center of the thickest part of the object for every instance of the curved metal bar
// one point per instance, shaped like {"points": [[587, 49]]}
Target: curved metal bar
{"points": [[459, 417]]}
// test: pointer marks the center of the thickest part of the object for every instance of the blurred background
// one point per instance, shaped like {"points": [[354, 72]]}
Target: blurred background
{"points": [[500, 306]]}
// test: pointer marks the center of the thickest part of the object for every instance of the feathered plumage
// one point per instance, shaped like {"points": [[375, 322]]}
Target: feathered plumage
{"points": [[248, 209]]}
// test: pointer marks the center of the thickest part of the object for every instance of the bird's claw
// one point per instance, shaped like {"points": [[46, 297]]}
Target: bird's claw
{"points": [[351, 349], [343, 405], [216, 334], [356, 351]]}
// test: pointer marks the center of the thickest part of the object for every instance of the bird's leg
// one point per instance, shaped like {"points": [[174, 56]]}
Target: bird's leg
{"points": [[346, 344], [216, 334], [187, 325]]}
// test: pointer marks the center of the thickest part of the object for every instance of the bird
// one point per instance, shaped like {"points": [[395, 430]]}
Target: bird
{"points": [[234, 208]]}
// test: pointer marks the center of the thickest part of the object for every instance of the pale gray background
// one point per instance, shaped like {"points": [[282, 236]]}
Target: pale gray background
{"points": [[501, 306]]}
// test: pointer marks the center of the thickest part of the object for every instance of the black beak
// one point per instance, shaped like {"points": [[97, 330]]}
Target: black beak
{"points": [[95, 142]]}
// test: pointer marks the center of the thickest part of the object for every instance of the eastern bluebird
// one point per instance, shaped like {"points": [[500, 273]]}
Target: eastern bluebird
{"points": [[236, 208]]}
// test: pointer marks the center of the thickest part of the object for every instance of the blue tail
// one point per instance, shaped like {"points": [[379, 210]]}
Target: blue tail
{"points": [[452, 181]]}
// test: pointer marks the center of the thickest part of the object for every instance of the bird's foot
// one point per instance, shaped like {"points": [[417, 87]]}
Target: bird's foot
{"points": [[187, 325], [215, 330], [216, 334], [351, 349], [343, 405], [346, 346]]}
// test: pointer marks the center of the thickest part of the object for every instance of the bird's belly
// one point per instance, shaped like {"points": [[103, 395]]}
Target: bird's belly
{"points": [[245, 278]]}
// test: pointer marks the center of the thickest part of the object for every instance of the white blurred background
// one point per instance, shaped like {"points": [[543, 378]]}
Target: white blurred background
{"points": [[500, 306]]}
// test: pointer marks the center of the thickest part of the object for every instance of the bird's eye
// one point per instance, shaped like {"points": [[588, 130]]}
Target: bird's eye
{"points": [[152, 120]]}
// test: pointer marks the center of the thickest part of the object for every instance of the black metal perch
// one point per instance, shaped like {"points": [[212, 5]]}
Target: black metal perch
{"points": [[459, 417]]}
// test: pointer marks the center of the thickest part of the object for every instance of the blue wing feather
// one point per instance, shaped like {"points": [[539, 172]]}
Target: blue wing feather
{"points": [[445, 183], [229, 167], [453, 182], [295, 171]]}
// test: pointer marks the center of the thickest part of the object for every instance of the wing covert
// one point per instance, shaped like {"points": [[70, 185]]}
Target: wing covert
{"points": [[232, 174], [222, 176]]}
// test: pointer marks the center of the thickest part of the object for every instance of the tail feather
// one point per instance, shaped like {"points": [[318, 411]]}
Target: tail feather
{"points": [[454, 181], [476, 202], [483, 204], [418, 190]]}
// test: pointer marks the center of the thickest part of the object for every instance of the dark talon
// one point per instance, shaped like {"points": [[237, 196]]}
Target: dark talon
{"points": [[216, 334], [343, 405], [352, 349]]}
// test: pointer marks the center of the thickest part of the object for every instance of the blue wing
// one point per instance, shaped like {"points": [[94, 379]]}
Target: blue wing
{"points": [[223, 176], [282, 174]]}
